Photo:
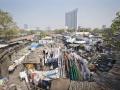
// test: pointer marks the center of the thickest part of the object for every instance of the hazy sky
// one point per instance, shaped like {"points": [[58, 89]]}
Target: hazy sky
{"points": [[44, 13]]}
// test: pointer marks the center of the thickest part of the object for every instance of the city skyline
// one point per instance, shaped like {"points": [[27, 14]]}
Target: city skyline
{"points": [[50, 13]]}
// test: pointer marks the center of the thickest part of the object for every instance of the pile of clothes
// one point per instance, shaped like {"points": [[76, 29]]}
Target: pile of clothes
{"points": [[104, 63], [76, 67]]}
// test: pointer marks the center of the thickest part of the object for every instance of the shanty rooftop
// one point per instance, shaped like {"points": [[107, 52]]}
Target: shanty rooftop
{"points": [[33, 57]]}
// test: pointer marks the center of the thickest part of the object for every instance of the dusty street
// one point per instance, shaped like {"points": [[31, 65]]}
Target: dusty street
{"points": [[14, 79]]}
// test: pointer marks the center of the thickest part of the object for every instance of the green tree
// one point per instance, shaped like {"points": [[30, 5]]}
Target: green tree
{"points": [[31, 32], [6, 20], [83, 29], [110, 35], [115, 26], [8, 27], [42, 34], [11, 33], [107, 35], [71, 30], [59, 31]]}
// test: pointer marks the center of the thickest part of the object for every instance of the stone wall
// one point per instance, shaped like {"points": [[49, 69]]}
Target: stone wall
{"points": [[7, 58]]}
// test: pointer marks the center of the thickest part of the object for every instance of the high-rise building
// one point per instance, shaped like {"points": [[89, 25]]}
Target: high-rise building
{"points": [[71, 19], [25, 26]]}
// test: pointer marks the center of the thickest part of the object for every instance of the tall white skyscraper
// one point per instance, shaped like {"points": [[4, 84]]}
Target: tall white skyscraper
{"points": [[71, 19]]}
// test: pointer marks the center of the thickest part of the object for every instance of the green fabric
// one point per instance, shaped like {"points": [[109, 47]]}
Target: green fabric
{"points": [[75, 73]]}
